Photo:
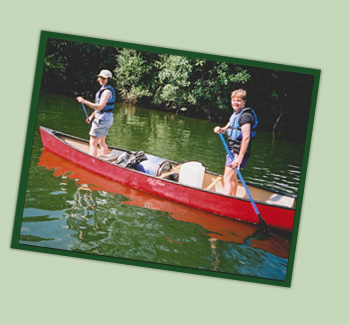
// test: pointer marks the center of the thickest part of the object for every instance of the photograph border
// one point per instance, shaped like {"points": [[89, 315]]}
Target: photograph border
{"points": [[44, 36]]}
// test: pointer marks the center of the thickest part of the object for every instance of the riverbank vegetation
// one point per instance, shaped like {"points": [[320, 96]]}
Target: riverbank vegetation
{"points": [[183, 84]]}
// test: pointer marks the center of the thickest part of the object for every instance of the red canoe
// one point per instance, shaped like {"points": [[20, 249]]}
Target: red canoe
{"points": [[217, 228], [194, 187]]}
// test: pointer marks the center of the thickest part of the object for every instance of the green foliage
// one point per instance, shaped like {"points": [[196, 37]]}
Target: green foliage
{"points": [[175, 81], [214, 81], [173, 87], [134, 73]]}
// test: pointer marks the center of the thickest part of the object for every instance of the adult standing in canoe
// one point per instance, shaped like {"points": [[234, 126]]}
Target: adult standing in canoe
{"points": [[240, 130], [103, 113]]}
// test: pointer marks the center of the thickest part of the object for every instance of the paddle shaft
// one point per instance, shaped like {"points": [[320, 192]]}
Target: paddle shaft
{"points": [[261, 220], [87, 117]]}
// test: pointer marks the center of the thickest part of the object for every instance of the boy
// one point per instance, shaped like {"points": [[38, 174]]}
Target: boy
{"points": [[240, 130]]}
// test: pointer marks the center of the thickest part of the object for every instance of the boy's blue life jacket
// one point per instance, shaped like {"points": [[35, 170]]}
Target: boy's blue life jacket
{"points": [[234, 129], [109, 107]]}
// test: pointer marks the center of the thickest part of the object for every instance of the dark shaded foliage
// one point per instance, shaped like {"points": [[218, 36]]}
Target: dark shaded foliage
{"points": [[71, 68]]}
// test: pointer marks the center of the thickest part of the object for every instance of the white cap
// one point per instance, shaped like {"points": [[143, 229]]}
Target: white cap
{"points": [[105, 74]]}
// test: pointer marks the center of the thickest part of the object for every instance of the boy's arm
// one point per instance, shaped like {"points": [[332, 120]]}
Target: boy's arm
{"points": [[246, 133], [224, 129]]}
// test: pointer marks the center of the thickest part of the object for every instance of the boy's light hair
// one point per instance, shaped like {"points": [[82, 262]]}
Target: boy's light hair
{"points": [[241, 93]]}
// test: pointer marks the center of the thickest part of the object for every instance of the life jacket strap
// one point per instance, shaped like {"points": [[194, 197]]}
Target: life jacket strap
{"points": [[107, 110]]}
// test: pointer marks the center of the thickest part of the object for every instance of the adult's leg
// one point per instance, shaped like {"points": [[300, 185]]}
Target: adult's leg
{"points": [[93, 145], [230, 181], [103, 145]]}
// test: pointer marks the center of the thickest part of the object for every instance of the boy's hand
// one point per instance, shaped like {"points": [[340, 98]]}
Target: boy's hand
{"points": [[237, 162]]}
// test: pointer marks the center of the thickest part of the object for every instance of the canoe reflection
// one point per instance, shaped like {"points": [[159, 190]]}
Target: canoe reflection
{"points": [[219, 228]]}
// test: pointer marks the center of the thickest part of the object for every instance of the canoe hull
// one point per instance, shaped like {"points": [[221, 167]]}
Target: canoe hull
{"points": [[239, 209]]}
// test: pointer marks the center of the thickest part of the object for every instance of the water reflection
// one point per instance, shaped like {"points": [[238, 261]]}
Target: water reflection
{"points": [[110, 218]]}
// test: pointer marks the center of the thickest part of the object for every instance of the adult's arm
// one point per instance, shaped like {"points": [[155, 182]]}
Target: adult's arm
{"points": [[104, 99]]}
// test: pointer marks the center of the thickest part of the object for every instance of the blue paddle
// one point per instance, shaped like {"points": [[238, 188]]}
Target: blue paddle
{"points": [[83, 107], [261, 220]]}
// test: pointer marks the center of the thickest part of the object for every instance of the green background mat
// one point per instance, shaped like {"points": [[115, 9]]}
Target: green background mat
{"points": [[47, 289]]}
